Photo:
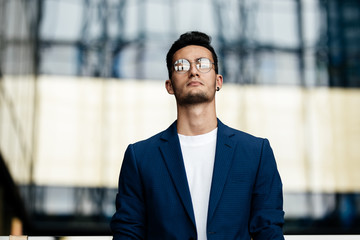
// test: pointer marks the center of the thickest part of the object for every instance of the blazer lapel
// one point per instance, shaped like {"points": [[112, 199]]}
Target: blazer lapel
{"points": [[223, 158], [170, 148]]}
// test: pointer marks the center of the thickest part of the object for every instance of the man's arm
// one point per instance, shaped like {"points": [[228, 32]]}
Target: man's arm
{"points": [[129, 220], [267, 215]]}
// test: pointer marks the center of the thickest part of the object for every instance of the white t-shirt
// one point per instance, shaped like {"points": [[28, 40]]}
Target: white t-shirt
{"points": [[199, 156]]}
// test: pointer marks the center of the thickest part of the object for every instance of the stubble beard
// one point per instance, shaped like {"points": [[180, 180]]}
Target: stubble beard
{"points": [[193, 98]]}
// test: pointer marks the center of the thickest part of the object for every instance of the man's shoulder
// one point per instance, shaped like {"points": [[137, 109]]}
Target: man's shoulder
{"points": [[239, 135], [155, 139], [245, 142], [150, 140]]}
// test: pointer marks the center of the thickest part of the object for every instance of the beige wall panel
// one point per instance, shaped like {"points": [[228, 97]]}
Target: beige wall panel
{"points": [[85, 125]]}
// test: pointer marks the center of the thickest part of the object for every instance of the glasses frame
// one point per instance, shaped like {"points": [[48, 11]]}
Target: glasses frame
{"points": [[197, 64]]}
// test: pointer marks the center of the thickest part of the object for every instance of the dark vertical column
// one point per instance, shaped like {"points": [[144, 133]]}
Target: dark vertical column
{"points": [[337, 44], [300, 32], [36, 43], [2, 215], [141, 39], [342, 45]]}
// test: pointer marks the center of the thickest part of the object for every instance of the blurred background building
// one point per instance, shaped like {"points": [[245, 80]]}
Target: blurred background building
{"points": [[81, 79]]}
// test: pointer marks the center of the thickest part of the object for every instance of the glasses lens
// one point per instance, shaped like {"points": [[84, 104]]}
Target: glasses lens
{"points": [[182, 66], [204, 65]]}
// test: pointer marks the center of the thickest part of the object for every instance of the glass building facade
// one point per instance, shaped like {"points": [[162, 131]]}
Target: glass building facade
{"points": [[81, 79]]}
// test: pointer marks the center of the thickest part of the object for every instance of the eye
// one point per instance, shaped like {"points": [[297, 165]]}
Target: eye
{"points": [[182, 65], [204, 63]]}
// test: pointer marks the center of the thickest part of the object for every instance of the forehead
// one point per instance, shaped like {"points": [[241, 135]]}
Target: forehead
{"points": [[192, 52]]}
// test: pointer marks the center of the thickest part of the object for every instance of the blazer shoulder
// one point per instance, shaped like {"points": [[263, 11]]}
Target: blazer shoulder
{"points": [[151, 141], [244, 137], [156, 139]]}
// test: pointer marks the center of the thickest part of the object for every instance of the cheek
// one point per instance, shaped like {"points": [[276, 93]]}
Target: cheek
{"points": [[176, 82], [215, 81], [174, 86]]}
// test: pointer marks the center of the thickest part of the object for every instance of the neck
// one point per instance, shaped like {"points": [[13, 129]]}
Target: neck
{"points": [[196, 119]]}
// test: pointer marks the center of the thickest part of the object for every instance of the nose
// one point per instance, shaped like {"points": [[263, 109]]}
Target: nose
{"points": [[193, 71]]}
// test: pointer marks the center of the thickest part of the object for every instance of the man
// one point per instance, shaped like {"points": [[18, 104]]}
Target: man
{"points": [[199, 179]]}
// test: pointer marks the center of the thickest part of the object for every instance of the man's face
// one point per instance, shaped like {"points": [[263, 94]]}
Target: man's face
{"points": [[193, 86]]}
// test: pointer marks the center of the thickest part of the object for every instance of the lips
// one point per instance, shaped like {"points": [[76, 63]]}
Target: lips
{"points": [[194, 83]]}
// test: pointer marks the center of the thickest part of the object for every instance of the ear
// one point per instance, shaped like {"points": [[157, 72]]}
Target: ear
{"points": [[169, 87], [219, 81]]}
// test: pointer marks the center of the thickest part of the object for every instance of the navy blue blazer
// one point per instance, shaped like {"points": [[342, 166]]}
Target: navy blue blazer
{"points": [[154, 202]]}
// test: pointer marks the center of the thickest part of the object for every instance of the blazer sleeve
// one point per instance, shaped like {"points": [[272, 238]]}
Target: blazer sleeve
{"points": [[128, 222], [267, 215]]}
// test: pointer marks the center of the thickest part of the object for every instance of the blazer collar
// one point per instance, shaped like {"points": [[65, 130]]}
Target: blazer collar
{"points": [[171, 152], [170, 148], [223, 158]]}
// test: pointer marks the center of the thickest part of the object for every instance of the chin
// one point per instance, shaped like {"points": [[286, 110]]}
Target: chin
{"points": [[192, 99]]}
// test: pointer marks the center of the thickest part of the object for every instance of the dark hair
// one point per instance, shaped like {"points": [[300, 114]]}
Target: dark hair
{"points": [[190, 38]]}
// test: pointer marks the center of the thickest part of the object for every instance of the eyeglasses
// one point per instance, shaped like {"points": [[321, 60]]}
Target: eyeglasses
{"points": [[204, 65]]}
